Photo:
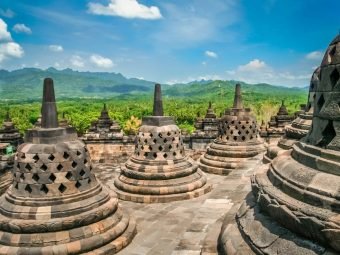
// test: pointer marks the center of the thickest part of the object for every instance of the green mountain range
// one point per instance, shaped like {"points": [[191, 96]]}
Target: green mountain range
{"points": [[26, 84]]}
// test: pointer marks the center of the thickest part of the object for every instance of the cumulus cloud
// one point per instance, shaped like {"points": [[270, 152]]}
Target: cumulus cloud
{"points": [[4, 34], [130, 9], [56, 48], [314, 55], [211, 54], [257, 71], [77, 61], [101, 62], [22, 28], [8, 48], [7, 13]]}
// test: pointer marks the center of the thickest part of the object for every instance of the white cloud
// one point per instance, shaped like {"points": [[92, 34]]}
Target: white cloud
{"points": [[125, 8], [4, 34], [257, 71], [7, 13], [10, 49], [211, 54], [56, 65], [22, 28], [56, 48], [101, 62], [77, 61], [253, 65], [314, 55]]}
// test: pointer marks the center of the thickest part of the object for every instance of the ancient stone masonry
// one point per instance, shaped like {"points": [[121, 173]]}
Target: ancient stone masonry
{"points": [[276, 125], [299, 127], [6, 163], [9, 134], [56, 205], [238, 140], [106, 142], [295, 206], [206, 130], [159, 170]]}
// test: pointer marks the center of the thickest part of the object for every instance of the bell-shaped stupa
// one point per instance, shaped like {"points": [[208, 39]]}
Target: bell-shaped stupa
{"points": [[299, 127], [56, 205], [159, 170], [9, 133], [238, 140], [295, 207]]}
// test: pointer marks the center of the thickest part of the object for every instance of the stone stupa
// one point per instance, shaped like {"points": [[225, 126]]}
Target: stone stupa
{"points": [[56, 205], [6, 164], [295, 206], [238, 140], [159, 170], [207, 126], [9, 133], [299, 127]]}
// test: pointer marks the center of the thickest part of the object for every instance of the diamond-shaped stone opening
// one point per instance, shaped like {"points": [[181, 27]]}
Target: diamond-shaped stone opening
{"points": [[60, 167], [23, 156], [16, 186], [145, 141], [36, 157], [52, 178], [235, 138], [68, 175], [51, 157], [74, 164], [155, 155], [85, 149], [78, 153], [35, 177], [160, 135], [239, 132], [78, 184], [243, 127], [174, 153], [328, 134], [18, 166], [243, 138], [155, 140], [160, 148], [165, 155], [28, 188], [321, 102], [146, 154], [168, 134], [89, 181], [43, 167], [62, 188], [28, 167], [170, 146], [334, 77], [165, 140], [44, 189], [151, 135], [150, 148], [22, 177], [82, 172], [66, 155], [85, 161]]}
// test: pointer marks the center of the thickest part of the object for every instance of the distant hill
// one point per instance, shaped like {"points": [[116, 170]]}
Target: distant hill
{"points": [[26, 84]]}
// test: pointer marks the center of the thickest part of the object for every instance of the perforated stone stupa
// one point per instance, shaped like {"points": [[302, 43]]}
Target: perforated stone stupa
{"points": [[6, 164], [238, 140], [104, 128], [296, 203], [56, 205], [159, 170], [207, 126], [9, 133], [299, 127]]}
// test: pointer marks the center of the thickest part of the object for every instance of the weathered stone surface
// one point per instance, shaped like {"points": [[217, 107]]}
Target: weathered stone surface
{"points": [[56, 205], [6, 164], [159, 171], [299, 192], [299, 127], [238, 140], [8, 132]]}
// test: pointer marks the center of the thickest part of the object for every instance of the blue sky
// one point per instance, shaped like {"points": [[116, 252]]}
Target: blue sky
{"points": [[274, 41]]}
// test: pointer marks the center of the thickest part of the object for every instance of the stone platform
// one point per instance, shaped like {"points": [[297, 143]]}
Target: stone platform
{"points": [[186, 227]]}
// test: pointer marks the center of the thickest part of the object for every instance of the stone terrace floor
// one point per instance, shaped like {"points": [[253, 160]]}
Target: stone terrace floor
{"points": [[189, 227]]}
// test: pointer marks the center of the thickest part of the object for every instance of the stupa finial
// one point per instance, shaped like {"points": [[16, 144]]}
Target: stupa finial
{"points": [[49, 116], [158, 103], [238, 104]]}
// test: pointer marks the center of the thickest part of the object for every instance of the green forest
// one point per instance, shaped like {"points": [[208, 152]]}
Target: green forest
{"points": [[184, 102]]}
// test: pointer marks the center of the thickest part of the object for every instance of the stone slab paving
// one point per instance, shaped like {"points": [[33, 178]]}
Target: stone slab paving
{"points": [[189, 227]]}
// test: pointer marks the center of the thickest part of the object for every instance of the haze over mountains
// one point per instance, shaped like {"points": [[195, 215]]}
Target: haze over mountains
{"points": [[25, 84]]}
